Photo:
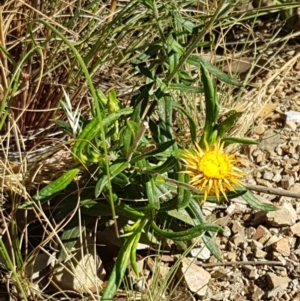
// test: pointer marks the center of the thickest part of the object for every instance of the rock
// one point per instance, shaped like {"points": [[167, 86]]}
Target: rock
{"points": [[237, 227], [287, 182], [268, 175], [201, 252], [285, 216], [256, 245], [282, 246], [270, 140], [260, 254], [291, 124], [292, 116], [84, 271], [275, 281], [195, 277], [277, 178], [262, 234], [271, 241], [259, 130], [295, 229]]}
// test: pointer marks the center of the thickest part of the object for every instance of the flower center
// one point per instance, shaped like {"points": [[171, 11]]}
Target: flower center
{"points": [[214, 165]]}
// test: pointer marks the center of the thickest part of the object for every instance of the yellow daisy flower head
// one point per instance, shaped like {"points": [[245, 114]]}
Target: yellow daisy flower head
{"points": [[212, 170]]}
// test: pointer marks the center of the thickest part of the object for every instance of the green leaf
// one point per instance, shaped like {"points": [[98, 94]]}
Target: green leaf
{"points": [[232, 140], [161, 147], [199, 61], [192, 124], [172, 43], [130, 132], [114, 170], [208, 237], [185, 88], [165, 109], [119, 269], [96, 208], [255, 203], [186, 24], [227, 124], [182, 215], [211, 107], [152, 194], [56, 186], [166, 166], [187, 234]]}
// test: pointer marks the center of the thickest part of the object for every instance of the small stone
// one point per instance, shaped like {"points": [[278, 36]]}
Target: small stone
{"points": [[295, 187], [260, 157], [231, 256], [292, 116], [282, 246], [257, 293], [260, 254], [271, 241], [277, 178], [291, 124], [259, 130], [262, 234], [195, 277], [276, 281], [295, 229], [237, 227], [226, 231], [253, 274], [201, 252], [256, 245], [297, 66], [268, 175], [287, 182], [281, 217]]}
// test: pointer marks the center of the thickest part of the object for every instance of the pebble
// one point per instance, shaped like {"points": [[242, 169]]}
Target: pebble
{"points": [[195, 277], [268, 175], [287, 182], [295, 229], [281, 217], [282, 246], [277, 281]]}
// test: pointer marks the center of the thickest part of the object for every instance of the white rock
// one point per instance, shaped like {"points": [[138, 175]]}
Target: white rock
{"points": [[83, 272], [201, 252], [195, 277], [292, 116]]}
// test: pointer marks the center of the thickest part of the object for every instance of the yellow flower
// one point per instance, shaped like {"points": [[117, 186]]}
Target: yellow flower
{"points": [[212, 170]]}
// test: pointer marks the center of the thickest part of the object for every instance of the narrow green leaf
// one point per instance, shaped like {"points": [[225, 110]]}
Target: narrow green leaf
{"points": [[227, 124], [159, 150], [114, 170], [152, 194], [185, 88], [56, 186], [208, 237], [119, 269], [166, 166], [172, 43], [186, 24], [255, 203], [211, 107], [198, 61], [192, 124], [232, 140], [189, 234]]}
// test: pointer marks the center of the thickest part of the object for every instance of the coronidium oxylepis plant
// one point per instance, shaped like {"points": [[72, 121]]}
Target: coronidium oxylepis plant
{"points": [[125, 170]]}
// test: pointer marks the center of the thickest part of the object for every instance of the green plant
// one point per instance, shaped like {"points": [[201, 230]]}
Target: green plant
{"points": [[124, 153], [130, 161]]}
